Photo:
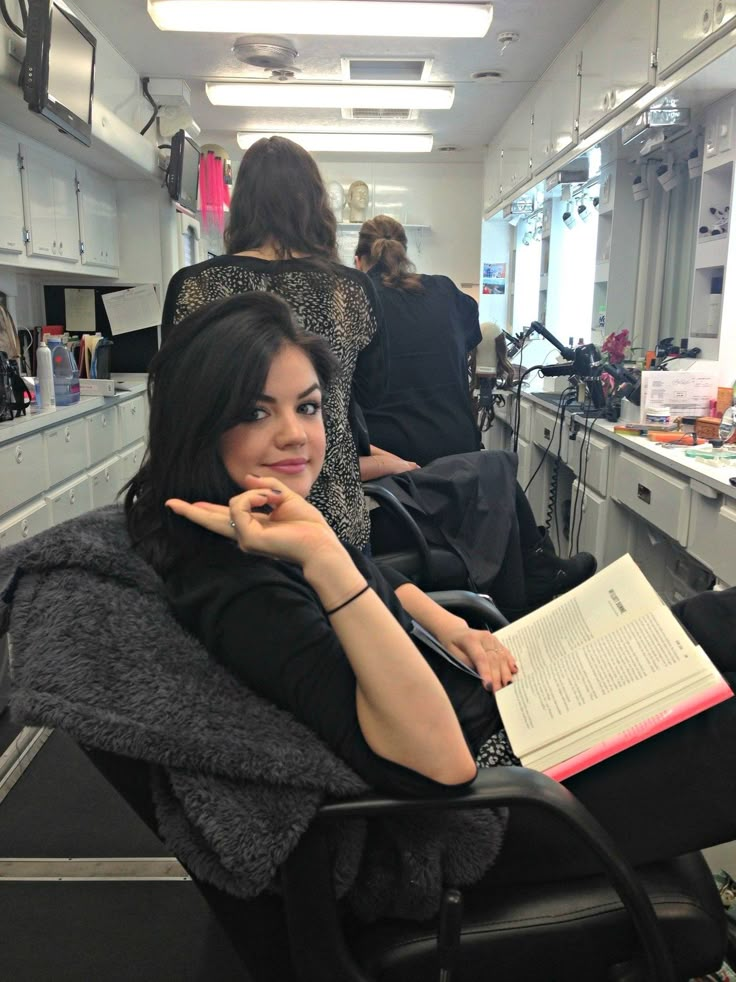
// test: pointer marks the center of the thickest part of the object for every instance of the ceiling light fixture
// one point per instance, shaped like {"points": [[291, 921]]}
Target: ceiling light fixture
{"points": [[349, 142], [359, 18], [318, 95]]}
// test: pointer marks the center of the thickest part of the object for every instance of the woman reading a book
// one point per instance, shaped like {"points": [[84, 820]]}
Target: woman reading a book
{"points": [[252, 569]]}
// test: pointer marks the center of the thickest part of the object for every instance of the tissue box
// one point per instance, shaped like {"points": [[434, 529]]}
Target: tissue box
{"points": [[96, 387]]}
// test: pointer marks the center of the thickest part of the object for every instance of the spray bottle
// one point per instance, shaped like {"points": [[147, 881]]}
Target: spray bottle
{"points": [[45, 373]]}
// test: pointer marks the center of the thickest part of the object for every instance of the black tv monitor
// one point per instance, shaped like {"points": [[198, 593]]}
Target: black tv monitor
{"points": [[182, 177], [59, 68]]}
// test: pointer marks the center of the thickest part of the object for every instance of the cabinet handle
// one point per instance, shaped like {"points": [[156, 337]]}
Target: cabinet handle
{"points": [[605, 102], [132, 410], [547, 434], [612, 101], [19, 455], [24, 528], [718, 13], [644, 494], [104, 422], [67, 435], [72, 497], [706, 20]]}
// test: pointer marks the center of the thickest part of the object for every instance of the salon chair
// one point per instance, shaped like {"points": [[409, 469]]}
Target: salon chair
{"points": [[662, 922], [429, 567]]}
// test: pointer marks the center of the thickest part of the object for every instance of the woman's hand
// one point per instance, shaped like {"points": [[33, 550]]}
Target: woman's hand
{"points": [[292, 529], [479, 648], [381, 463]]}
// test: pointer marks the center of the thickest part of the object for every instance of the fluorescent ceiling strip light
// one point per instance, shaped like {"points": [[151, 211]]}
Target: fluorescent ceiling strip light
{"points": [[358, 18], [350, 142], [328, 96]]}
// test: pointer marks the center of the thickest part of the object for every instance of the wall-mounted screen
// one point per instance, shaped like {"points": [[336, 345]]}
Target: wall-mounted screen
{"points": [[59, 68], [182, 178]]}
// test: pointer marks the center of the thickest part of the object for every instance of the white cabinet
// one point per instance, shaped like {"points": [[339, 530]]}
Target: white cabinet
{"points": [[659, 497], [30, 521], [492, 176], [555, 103], [50, 204], [686, 27], [70, 500], [23, 469], [618, 45], [98, 219], [11, 197], [514, 140]]}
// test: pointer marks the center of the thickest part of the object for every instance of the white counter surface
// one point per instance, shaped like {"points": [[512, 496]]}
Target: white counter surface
{"points": [[661, 453]]}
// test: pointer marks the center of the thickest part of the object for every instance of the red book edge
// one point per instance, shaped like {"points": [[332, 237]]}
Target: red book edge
{"points": [[641, 731]]}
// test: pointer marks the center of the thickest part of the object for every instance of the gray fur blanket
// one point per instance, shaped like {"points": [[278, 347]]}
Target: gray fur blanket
{"points": [[236, 781]]}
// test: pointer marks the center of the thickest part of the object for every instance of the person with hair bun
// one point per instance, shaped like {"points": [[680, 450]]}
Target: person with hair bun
{"points": [[420, 442], [281, 238], [432, 326]]}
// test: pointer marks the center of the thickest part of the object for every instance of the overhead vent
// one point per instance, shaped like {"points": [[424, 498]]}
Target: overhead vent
{"points": [[379, 114], [386, 69]]}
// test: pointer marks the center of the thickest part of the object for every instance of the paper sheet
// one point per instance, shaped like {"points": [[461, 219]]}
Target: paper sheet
{"points": [[686, 393], [80, 310], [133, 310]]}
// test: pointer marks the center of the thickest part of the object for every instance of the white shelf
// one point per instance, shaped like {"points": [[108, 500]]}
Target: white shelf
{"points": [[357, 225], [710, 251]]}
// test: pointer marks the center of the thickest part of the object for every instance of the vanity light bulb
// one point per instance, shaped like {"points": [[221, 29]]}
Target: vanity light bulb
{"points": [[569, 219]]}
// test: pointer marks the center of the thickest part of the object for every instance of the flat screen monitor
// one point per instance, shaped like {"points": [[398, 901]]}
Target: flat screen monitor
{"points": [[182, 178], [59, 68]]}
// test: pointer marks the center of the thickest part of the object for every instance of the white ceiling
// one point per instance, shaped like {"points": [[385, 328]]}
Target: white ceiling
{"points": [[544, 27]]}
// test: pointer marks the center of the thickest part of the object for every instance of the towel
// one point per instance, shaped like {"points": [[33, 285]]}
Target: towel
{"points": [[235, 780]]}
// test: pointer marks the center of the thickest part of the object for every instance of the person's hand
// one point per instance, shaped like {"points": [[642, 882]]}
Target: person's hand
{"points": [[391, 463], [482, 651], [291, 529]]}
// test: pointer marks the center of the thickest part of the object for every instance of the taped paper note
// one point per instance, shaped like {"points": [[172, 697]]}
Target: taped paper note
{"points": [[79, 307], [133, 310]]}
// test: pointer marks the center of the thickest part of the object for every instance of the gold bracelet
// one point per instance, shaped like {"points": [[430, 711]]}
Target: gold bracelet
{"points": [[346, 602]]}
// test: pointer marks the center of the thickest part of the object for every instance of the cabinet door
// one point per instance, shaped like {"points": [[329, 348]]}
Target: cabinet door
{"points": [[686, 27], [492, 176], [11, 199], [618, 44], [65, 210], [556, 99], [514, 140], [38, 198], [98, 219]]}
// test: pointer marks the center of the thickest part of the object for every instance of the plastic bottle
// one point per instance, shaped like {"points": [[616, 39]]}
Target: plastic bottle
{"points": [[45, 373], [66, 374]]}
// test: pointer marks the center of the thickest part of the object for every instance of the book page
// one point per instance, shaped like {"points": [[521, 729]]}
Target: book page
{"points": [[590, 654]]}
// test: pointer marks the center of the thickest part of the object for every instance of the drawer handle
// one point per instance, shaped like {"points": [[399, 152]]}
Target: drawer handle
{"points": [[104, 421], [67, 434], [706, 21], [24, 528], [72, 497], [19, 455], [644, 494], [132, 410], [719, 12], [547, 434]]}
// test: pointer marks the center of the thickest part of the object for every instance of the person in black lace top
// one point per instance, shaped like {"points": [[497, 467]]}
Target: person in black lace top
{"points": [[281, 238]]}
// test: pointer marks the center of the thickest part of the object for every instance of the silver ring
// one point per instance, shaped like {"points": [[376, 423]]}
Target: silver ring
{"points": [[232, 524]]}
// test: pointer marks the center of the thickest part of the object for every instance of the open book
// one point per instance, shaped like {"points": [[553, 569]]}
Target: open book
{"points": [[600, 669]]}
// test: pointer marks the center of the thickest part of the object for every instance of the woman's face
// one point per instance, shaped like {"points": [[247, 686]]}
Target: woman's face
{"points": [[285, 438]]}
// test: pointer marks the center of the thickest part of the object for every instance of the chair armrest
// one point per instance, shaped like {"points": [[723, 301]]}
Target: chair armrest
{"points": [[394, 507], [493, 787], [466, 602]]}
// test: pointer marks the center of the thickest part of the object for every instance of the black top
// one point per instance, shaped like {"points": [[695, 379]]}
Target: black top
{"points": [[426, 412], [336, 302], [261, 619]]}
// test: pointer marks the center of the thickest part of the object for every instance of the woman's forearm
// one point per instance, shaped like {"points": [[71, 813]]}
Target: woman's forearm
{"points": [[404, 712]]}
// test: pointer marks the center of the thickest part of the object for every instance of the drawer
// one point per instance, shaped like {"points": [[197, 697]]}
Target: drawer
{"points": [[602, 525], [105, 483], [705, 509], [725, 563], [588, 457], [22, 471], [102, 434], [66, 450], [29, 522], [658, 496], [546, 430], [130, 461], [70, 500], [524, 419], [132, 417]]}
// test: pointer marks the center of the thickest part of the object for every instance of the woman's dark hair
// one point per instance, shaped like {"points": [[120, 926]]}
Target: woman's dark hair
{"points": [[280, 198], [382, 241], [205, 379]]}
